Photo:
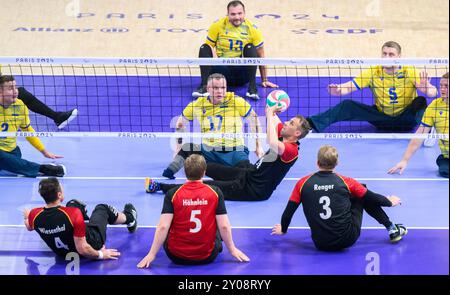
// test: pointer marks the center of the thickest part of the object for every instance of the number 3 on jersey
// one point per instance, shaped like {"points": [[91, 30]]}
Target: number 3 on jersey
{"points": [[326, 206], [198, 222]]}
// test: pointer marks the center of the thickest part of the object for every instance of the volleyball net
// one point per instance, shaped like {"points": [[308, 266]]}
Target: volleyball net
{"points": [[144, 97]]}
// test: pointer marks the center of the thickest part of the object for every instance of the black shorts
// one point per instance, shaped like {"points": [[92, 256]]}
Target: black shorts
{"points": [[177, 260]]}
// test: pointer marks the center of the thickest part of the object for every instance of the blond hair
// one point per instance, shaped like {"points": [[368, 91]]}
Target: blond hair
{"points": [[327, 157], [195, 167]]}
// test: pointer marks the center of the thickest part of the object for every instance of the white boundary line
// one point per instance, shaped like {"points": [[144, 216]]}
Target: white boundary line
{"points": [[262, 227], [183, 178]]}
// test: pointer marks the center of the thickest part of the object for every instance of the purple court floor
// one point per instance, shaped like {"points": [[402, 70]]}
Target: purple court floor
{"points": [[293, 254], [113, 170], [97, 174]]}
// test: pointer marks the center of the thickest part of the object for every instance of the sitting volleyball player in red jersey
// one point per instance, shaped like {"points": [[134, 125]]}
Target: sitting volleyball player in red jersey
{"points": [[64, 229], [333, 205], [256, 182], [14, 117], [193, 221]]}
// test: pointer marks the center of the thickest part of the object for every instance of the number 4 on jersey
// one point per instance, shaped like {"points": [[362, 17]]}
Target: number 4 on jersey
{"points": [[60, 245]]}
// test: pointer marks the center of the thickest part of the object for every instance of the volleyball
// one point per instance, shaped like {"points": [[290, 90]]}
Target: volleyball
{"points": [[279, 98]]}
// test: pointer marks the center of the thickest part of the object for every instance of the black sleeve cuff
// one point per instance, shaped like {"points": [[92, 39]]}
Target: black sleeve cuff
{"points": [[287, 215]]}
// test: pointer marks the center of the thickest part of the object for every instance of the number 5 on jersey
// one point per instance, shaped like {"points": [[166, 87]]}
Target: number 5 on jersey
{"points": [[198, 222]]}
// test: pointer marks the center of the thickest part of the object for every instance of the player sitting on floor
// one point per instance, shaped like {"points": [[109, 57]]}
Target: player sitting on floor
{"points": [[64, 229], [333, 205], [193, 221], [221, 112], [14, 117], [436, 115], [61, 119], [256, 182], [234, 36], [394, 88]]}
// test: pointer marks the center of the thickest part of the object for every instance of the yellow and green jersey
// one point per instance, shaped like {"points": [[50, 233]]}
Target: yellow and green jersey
{"points": [[436, 115], [392, 93], [225, 117], [229, 40], [13, 119]]}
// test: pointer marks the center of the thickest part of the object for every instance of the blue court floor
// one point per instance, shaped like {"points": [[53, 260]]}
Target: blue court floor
{"points": [[113, 171]]}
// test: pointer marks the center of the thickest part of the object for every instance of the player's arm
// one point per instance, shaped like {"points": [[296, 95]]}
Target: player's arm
{"points": [[425, 86], [413, 146], [37, 144], [26, 214], [358, 190], [180, 127], [381, 200], [286, 218], [223, 223], [291, 207], [342, 89], [86, 250], [263, 69], [272, 134], [158, 240], [255, 127]]}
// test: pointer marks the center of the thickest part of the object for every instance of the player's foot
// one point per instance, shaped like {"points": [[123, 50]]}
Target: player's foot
{"points": [[311, 125], [252, 92], [397, 232], [429, 142], [168, 173], [129, 208], [63, 118], [199, 92], [80, 205], [53, 170], [151, 186]]}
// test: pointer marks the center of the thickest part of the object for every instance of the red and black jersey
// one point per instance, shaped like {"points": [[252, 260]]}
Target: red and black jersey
{"points": [[272, 168], [57, 226], [326, 203], [194, 206]]}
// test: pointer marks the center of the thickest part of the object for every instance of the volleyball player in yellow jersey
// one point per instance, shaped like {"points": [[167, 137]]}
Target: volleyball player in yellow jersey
{"points": [[436, 115], [220, 112], [61, 119], [234, 36], [397, 106], [14, 116]]}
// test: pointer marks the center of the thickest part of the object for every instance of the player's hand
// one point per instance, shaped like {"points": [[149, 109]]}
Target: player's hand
{"points": [[276, 230], [146, 261], [273, 110], [239, 255], [400, 167], [269, 84], [334, 89], [110, 253], [423, 82], [50, 155], [394, 200]]}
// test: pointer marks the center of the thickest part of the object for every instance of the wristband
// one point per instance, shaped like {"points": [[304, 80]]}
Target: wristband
{"points": [[100, 255]]}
